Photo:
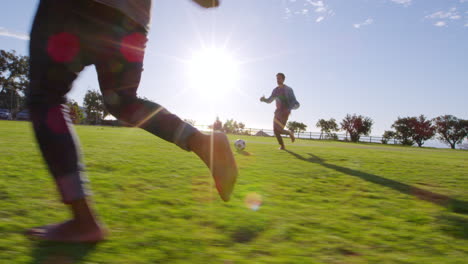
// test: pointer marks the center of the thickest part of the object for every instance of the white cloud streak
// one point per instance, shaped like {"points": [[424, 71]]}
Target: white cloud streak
{"points": [[452, 13], [365, 23], [444, 17], [403, 2], [7, 33], [308, 8]]}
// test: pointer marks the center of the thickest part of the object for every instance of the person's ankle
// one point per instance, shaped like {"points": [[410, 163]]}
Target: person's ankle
{"points": [[83, 214]]}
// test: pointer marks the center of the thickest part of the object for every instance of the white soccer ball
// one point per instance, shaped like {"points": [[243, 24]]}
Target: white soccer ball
{"points": [[239, 144]]}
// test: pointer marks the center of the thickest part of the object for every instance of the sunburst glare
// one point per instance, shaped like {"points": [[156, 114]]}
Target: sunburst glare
{"points": [[213, 72]]}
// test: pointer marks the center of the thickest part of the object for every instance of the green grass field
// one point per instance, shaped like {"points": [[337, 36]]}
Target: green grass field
{"points": [[322, 202]]}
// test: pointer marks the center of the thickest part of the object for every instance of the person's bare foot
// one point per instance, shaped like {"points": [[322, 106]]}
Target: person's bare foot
{"points": [[291, 135], [215, 151], [281, 148], [70, 231]]}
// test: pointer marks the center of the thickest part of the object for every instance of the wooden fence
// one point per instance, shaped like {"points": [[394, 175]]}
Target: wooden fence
{"points": [[305, 135]]}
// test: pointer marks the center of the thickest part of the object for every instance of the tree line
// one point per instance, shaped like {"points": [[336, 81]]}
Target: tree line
{"points": [[230, 126], [407, 130], [416, 130], [14, 80]]}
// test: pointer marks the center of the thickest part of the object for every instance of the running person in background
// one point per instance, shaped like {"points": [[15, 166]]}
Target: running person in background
{"points": [[285, 102], [68, 35]]}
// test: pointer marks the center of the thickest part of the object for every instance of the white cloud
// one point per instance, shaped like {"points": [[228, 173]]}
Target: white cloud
{"points": [[463, 1], [7, 33], [316, 3], [287, 13], [365, 23], [452, 13], [320, 9], [319, 6], [403, 2], [308, 8], [444, 17]]}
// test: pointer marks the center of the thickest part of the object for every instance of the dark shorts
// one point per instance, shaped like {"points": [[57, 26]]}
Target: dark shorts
{"points": [[68, 35]]}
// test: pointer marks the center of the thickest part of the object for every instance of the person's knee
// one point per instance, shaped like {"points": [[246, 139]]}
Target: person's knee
{"points": [[277, 128], [114, 103], [277, 131], [123, 107]]}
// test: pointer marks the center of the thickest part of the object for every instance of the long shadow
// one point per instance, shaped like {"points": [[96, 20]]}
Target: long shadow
{"points": [[455, 205], [60, 253], [243, 152]]}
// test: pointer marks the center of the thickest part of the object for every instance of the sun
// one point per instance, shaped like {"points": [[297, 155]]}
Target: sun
{"points": [[213, 72]]}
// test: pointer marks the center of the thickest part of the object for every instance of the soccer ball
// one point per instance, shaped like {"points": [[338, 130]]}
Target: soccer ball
{"points": [[239, 144]]}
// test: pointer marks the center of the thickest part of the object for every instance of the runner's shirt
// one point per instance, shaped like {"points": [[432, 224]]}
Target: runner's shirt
{"points": [[285, 99]]}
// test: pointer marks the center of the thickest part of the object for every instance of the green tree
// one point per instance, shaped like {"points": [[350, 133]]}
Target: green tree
{"points": [[14, 79], [422, 130], [410, 130], [94, 107], [230, 126], [403, 130], [296, 127], [328, 127], [241, 127], [75, 112], [387, 135], [356, 125], [451, 130]]}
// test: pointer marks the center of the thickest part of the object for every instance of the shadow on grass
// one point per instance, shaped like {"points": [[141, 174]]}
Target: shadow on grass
{"points": [[243, 152], [455, 225], [60, 253], [455, 205]]}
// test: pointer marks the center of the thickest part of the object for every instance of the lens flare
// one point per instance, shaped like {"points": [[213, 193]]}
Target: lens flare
{"points": [[253, 201], [63, 47]]}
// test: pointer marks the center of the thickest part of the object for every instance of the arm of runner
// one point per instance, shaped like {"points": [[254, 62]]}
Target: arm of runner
{"points": [[269, 99], [294, 103]]}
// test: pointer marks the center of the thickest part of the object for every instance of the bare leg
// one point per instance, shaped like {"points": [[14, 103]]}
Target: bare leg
{"points": [[280, 139], [291, 135], [215, 151], [60, 149], [279, 122]]}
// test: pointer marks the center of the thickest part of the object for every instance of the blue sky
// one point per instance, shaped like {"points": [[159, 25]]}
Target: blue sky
{"points": [[377, 58]]}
